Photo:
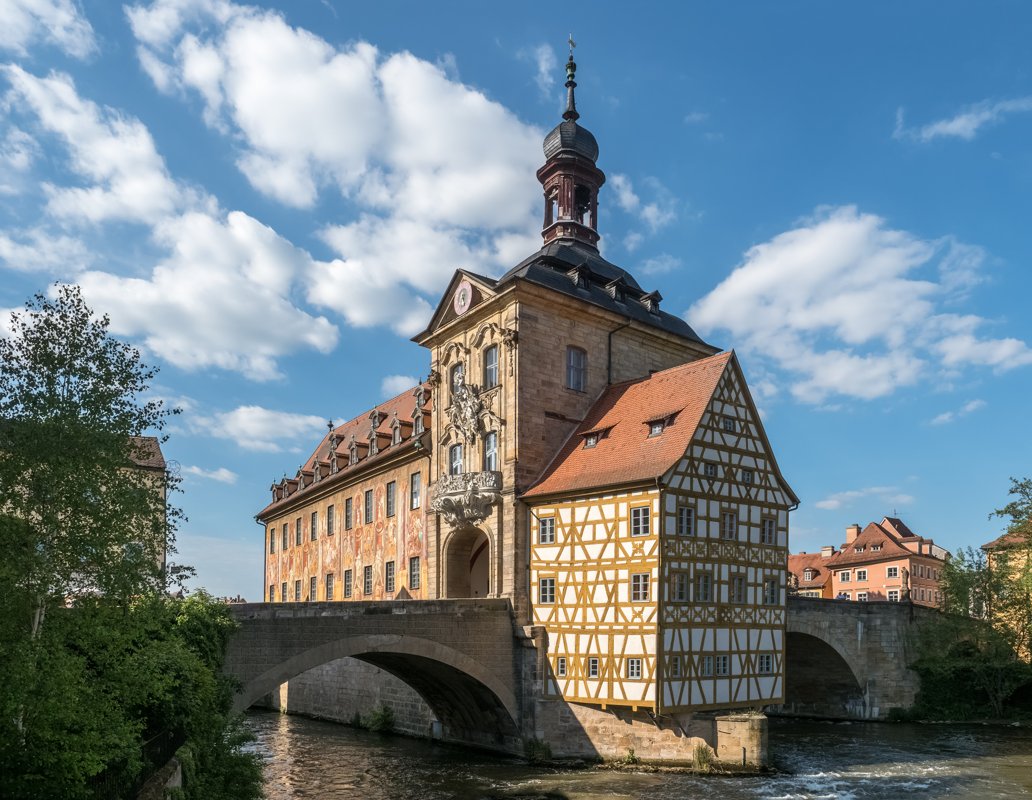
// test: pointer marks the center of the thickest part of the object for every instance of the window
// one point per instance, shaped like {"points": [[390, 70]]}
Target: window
{"points": [[329, 520], [329, 586], [709, 469], [413, 572], [771, 592], [592, 667], [491, 367], [640, 521], [706, 666], [875, 548], [490, 452], [808, 574], [893, 595], [681, 587], [737, 588], [348, 583], [675, 667], [634, 669], [728, 424], [392, 494], [313, 587], [861, 596], [729, 525], [685, 521], [703, 587], [723, 665], [286, 539], [640, 587], [769, 531], [844, 576], [892, 572], [272, 593], [546, 530], [396, 435], [546, 590], [368, 506], [348, 519], [656, 427], [560, 666], [388, 577], [747, 476], [455, 459], [283, 592], [861, 574], [272, 540], [859, 549], [590, 440], [415, 488], [367, 580], [313, 534], [765, 663], [297, 531], [576, 369], [297, 591]]}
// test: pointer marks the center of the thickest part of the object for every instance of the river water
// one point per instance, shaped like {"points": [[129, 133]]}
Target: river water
{"points": [[311, 759]]}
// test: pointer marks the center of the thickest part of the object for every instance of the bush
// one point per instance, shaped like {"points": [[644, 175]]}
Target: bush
{"points": [[380, 719]]}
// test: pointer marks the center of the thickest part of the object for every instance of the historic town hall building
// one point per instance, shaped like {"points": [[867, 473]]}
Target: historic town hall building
{"points": [[576, 449]]}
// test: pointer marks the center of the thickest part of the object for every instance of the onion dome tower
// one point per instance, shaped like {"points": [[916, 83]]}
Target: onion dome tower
{"points": [[570, 178]]}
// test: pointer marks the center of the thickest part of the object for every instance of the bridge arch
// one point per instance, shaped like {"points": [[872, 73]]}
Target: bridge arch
{"points": [[471, 702]]}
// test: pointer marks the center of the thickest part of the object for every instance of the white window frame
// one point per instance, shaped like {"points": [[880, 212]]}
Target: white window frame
{"points": [[415, 490], [593, 667], [546, 530], [722, 665], [388, 577], [546, 591], [413, 572], [455, 459], [765, 664], [641, 518], [861, 596], [686, 520], [491, 451], [641, 585], [892, 595], [490, 364], [729, 424], [892, 572], [861, 575], [845, 576], [768, 530], [560, 667], [634, 669], [706, 667]]}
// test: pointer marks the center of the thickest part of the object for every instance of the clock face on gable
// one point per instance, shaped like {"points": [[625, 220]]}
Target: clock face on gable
{"points": [[463, 297]]}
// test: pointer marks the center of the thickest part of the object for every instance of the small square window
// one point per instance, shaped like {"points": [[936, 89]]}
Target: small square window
{"points": [[590, 440], [709, 469], [546, 530], [656, 428], [765, 663], [634, 669], [729, 424], [546, 590], [861, 574], [861, 596], [892, 572], [893, 595], [560, 666], [747, 477], [640, 521], [844, 576]]}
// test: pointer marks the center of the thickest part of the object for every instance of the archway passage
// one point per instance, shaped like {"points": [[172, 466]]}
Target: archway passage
{"points": [[467, 564], [818, 681], [472, 704]]}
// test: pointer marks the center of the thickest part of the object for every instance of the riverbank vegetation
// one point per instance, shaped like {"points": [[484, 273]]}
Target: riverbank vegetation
{"points": [[975, 662], [104, 674]]}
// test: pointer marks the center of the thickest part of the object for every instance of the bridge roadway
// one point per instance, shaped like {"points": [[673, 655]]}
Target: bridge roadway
{"points": [[481, 674]]}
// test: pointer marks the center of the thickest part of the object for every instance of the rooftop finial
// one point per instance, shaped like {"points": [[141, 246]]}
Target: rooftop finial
{"points": [[571, 72]]}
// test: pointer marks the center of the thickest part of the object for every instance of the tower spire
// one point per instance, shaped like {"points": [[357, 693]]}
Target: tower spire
{"points": [[571, 73]]}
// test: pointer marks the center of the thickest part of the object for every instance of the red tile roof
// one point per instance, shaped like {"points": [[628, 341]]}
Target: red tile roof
{"points": [[627, 454], [1009, 539], [798, 563], [146, 452]]}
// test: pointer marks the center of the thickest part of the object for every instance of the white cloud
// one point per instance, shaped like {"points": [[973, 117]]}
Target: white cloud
{"points": [[659, 265], [547, 67], [696, 117], [38, 249], [57, 22], [965, 125], [393, 385], [885, 495], [113, 151], [964, 410], [222, 475], [18, 151], [657, 214], [439, 173], [260, 429], [852, 308], [220, 299]]}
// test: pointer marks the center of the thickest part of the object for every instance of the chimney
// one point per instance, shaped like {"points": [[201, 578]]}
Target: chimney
{"points": [[827, 551], [852, 531]]}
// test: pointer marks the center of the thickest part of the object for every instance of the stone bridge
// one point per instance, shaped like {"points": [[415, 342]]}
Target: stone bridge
{"points": [[464, 657], [849, 659]]}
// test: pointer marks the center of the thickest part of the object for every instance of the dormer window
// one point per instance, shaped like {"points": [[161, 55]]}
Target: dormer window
{"points": [[656, 427], [651, 302], [396, 435], [875, 548], [859, 549], [590, 440], [808, 575]]}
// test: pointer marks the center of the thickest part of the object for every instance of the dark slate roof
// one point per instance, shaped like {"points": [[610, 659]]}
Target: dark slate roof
{"points": [[570, 137], [550, 267]]}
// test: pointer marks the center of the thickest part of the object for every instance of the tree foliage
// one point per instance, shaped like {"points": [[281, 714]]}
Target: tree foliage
{"points": [[973, 661], [97, 659]]}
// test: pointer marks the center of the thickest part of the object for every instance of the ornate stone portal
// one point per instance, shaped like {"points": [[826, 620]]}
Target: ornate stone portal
{"points": [[466, 499]]}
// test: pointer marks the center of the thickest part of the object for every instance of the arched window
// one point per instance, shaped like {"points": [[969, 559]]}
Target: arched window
{"points": [[491, 367], [490, 452], [576, 369], [458, 375], [455, 459]]}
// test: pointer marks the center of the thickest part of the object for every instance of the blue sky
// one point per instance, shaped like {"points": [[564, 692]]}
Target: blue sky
{"points": [[268, 199]]}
